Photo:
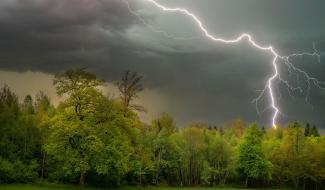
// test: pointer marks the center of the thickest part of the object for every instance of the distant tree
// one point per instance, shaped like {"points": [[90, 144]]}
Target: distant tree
{"points": [[221, 130], [28, 104], [200, 125], [130, 86], [237, 127], [165, 121], [42, 102], [8, 101], [314, 131], [263, 130], [252, 162], [307, 130]]}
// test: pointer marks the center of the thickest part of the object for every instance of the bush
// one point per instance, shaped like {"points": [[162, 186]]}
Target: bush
{"points": [[17, 171]]}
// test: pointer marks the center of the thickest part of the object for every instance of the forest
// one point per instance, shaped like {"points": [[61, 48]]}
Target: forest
{"points": [[95, 140]]}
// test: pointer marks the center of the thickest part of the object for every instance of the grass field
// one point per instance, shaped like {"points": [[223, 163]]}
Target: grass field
{"points": [[68, 187]]}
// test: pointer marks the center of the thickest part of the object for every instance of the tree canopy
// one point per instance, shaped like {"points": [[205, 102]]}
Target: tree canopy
{"points": [[101, 141]]}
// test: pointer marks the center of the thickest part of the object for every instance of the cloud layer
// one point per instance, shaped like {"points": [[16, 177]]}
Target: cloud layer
{"points": [[193, 80]]}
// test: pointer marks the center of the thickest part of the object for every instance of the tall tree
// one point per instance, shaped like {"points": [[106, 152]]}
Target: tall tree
{"points": [[73, 144], [160, 131], [307, 130], [193, 155], [130, 86], [81, 87], [9, 115], [44, 111], [219, 159], [287, 158], [313, 163], [42, 102], [18, 139], [252, 162]]}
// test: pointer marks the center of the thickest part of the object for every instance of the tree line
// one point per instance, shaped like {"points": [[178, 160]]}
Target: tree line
{"points": [[93, 139]]}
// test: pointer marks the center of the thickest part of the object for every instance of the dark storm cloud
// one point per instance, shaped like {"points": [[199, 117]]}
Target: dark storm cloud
{"points": [[48, 15], [47, 35], [202, 80]]}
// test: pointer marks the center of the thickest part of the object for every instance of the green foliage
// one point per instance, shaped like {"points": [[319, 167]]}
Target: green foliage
{"points": [[17, 171], [219, 156], [81, 88], [100, 141], [252, 162], [75, 81], [18, 139], [72, 142], [311, 131], [71, 187]]}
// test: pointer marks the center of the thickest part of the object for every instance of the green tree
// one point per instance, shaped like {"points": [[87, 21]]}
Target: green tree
{"points": [[193, 155], [307, 130], [81, 87], [44, 111], [252, 162], [18, 139], [287, 159], [90, 132], [161, 129], [72, 132], [28, 106], [313, 161], [73, 143], [219, 156], [314, 131]]}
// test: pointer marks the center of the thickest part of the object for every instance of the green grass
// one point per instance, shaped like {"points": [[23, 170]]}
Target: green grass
{"points": [[69, 187]]}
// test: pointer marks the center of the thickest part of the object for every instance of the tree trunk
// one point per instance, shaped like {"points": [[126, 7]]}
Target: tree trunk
{"points": [[43, 164], [296, 183], [140, 175], [246, 181], [82, 179], [158, 167]]}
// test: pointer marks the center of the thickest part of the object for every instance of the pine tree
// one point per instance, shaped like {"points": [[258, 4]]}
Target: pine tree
{"points": [[307, 130], [314, 131]]}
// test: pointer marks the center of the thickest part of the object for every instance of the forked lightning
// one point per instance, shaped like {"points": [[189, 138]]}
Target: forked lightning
{"points": [[269, 87]]}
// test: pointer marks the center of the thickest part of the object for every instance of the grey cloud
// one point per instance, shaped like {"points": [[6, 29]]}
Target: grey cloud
{"points": [[46, 35], [202, 80]]}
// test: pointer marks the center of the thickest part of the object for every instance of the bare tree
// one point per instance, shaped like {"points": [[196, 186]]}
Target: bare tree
{"points": [[130, 86]]}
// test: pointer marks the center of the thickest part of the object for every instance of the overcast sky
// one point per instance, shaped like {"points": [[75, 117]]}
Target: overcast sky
{"points": [[193, 79]]}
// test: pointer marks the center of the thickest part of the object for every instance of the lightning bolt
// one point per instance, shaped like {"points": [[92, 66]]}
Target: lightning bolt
{"points": [[269, 86]]}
